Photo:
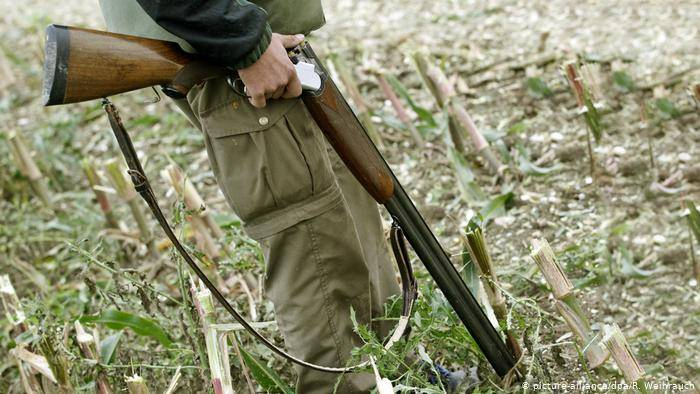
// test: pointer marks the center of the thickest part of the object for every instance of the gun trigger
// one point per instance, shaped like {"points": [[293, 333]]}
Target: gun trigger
{"points": [[171, 92]]}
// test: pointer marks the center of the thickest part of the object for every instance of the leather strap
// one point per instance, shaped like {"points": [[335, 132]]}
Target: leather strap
{"points": [[143, 187]]}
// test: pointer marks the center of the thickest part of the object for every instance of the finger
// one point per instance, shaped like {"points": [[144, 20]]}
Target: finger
{"points": [[293, 87], [291, 41], [258, 100], [279, 92]]}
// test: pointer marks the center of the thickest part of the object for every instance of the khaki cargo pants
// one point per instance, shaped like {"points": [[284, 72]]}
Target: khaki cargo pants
{"points": [[320, 232]]}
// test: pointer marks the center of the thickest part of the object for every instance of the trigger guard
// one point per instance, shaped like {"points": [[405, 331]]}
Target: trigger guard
{"points": [[237, 85]]}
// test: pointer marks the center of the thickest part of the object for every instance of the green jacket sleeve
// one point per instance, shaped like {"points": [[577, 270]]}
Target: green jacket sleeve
{"points": [[233, 33]]}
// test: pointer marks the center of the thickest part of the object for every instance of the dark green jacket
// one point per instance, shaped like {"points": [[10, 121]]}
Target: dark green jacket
{"points": [[230, 32]]}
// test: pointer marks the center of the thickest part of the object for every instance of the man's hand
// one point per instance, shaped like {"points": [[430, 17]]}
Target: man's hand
{"points": [[273, 75]]}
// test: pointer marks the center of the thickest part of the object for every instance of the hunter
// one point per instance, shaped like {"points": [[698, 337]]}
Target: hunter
{"points": [[320, 232]]}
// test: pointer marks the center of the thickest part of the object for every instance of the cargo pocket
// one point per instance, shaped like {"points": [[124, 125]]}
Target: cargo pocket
{"points": [[265, 160]]}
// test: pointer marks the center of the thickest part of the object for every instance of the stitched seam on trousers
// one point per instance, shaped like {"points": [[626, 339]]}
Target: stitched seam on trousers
{"points": [[267, 175], [324, 289], [296, 139], [214, 163]]}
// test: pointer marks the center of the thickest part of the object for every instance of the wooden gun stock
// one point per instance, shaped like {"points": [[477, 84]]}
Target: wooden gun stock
{"points": [[338, 123], [84, 64]]}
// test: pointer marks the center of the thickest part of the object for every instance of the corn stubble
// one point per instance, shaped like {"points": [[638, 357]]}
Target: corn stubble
{"points": [[567, 304], [458, 118]]}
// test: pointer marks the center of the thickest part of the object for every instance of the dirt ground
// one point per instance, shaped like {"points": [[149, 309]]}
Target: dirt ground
{"points": [[621, 234], [590, 221]]}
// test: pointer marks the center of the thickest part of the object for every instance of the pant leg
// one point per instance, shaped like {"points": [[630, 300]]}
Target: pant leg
{"points": [[370, 231], [320, 233]]}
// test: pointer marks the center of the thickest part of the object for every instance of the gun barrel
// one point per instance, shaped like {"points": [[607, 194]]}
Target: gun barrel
{"points": [[438, 264]]}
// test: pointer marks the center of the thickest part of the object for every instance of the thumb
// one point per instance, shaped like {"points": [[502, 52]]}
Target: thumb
{"points": [[292, 40]]}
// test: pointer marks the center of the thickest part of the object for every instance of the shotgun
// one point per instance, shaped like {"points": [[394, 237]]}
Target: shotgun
{"points": [[83, 64]]}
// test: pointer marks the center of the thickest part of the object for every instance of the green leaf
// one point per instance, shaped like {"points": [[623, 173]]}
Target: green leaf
{"points": [[27, 337], [592, 118], [423, 114], [471, 192], [475, 222], [538, 88], [591, 280], [118, 320], [694, 219], [108, 346], [667, 108], [623, 81], [266, 378], [620, 229], [145, 120], [496, 207], [391, 121], [629, 269], [517, 128], [528, 167], [469, 273]]}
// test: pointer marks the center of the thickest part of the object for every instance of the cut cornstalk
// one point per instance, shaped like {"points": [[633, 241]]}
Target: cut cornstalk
{"points": [[399, 108], [193, 201], [567, 304], [444, 94], [174, 381], [11, 305], [217, 349], [476, 244], [696, 93], [85, 341], [587, 108], [479, 253], [30, 384], [384, 385], [363, 111], [615, 341], [203, 225], [27, 362], [455, 132], [423, 66], [441, 93], [96, 185], [650, 139], [88, 346], [480, 144], [543, 41], [136, 385], [592, 79], [204, 240], [125, 191], [59, 364], [28, 168], [36, 362]]}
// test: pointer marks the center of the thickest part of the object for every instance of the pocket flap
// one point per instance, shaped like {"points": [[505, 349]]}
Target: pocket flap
{"points": [[237, 116]]}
